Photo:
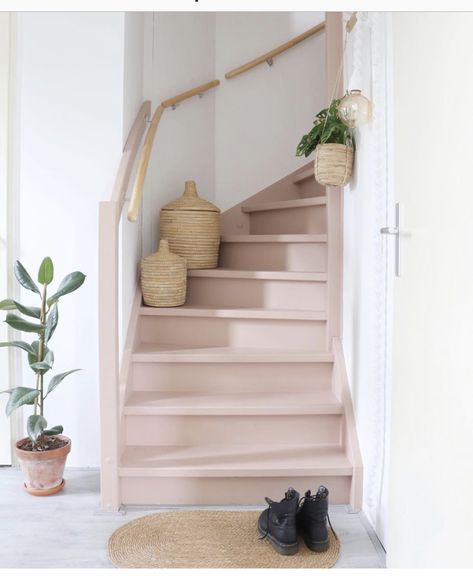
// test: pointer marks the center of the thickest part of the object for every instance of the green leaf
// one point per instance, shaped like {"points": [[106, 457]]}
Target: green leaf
{"points": [[30, 311], [35, 426], [69, 284], [55, 380], [54, 430], [46, 364], [9, 304], [51, 323], [19, 397], [24, 278], [46, 271], [17, 322], [33, 356], [328, 128], [17, 344]]}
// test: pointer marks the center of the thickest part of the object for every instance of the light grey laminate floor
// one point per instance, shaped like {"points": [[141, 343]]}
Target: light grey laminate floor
{"points": [[68, 530]]}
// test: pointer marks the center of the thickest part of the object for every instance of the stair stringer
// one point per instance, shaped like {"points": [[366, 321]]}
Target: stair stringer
{"points": [[340, 386], [126, 370]]}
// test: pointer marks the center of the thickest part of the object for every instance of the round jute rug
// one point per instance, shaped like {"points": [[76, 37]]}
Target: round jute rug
{"points": [[206, 539]]}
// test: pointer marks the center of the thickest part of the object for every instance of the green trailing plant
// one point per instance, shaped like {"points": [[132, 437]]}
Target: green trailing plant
{"points": [[328, 128], [42, 322]]}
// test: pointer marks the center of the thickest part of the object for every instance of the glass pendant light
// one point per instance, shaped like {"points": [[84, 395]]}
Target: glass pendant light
{"points": [[354, 109]]}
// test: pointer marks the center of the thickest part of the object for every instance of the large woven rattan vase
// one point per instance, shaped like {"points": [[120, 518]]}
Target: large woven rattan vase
{"points": [[192, 227], [163, 278], [333, 164]]}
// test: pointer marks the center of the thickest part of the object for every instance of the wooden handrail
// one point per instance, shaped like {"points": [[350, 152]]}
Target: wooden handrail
{"points": [[130, 150], [137, 194], [277, 51], [187, 94], [135, 201]]}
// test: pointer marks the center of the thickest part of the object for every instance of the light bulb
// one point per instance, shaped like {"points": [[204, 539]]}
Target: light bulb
{"points": [[354, 109]]}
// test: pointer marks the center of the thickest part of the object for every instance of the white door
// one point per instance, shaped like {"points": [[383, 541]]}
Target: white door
{"points": [[5, 458], [431, 469]]}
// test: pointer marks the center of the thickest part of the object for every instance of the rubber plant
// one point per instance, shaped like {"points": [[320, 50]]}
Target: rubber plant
{"points": [[41, 321], [334, 145]]}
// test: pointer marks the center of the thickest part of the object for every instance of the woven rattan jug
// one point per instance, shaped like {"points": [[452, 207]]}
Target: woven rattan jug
{"points": [[192, 227], [163, 278]]}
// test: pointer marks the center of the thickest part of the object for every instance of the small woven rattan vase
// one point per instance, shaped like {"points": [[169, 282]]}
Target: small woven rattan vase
{"points": [[333, 164], [163, 278], [192, 227]]}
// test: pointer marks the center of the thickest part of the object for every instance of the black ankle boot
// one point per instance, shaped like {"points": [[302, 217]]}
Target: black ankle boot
{"points": [[312, 520], [278, 523]]}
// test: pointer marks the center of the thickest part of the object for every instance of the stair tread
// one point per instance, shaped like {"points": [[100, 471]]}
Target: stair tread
{"points": [[154, 352], [274, 238], [234, 460], [273, 275], [320, 401], [190, 310], [285, 204]]}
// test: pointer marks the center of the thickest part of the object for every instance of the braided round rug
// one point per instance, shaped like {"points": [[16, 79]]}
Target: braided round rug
{"points": [[206, 539]]}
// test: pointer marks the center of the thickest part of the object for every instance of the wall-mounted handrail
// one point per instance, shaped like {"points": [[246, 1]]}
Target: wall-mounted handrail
{"points": [[187, 94], [137, 194], [130, 151], [267, 57], [135, 200]]}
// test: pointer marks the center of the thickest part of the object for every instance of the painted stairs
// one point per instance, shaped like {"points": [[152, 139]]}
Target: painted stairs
{"points": [[242, 392]]}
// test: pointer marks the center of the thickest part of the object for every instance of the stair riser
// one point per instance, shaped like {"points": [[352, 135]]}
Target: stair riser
{"points": [[232, 377], [225, 490], [304, 220], [269, 294], [239, 333], [277, 256], [310, 188], [232, 430]]}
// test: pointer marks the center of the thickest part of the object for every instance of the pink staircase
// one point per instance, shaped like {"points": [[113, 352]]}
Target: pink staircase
{"points": [[242, 392]]}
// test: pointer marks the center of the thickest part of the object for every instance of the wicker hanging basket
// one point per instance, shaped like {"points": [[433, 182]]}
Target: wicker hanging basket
{"points": [[192, 227], [163, 278], [333, 164]]}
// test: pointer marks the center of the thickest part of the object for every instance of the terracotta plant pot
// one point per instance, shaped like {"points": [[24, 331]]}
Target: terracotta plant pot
{"points": [[43, 470]]}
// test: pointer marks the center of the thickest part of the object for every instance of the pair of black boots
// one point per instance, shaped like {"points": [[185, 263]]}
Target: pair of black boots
{"points": [[285, 520]]}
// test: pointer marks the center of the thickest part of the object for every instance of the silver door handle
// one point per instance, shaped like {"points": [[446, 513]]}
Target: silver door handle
{"points": [[395, 231], [389, 230]]}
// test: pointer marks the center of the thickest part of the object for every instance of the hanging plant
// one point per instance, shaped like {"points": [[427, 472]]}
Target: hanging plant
{"points": [[334, 145]]}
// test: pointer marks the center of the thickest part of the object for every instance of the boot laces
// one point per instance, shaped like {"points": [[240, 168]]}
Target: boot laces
{"points": [[322, 493]]}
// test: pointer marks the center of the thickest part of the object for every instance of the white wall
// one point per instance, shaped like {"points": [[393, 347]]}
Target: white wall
{"points": [[365, 274], [243, 135], [130, 232], [431, 473], [262, 114], [71, 76], [180, 55], [4, 115]]}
